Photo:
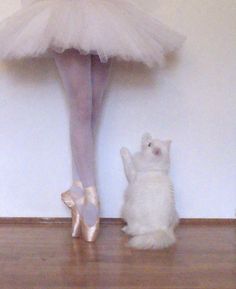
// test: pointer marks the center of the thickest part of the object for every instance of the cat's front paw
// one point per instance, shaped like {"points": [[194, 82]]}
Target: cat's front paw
{"points": [[124, 152], [124, 229]]}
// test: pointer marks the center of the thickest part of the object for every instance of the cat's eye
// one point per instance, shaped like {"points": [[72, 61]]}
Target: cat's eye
{"points": [[149, 144]]}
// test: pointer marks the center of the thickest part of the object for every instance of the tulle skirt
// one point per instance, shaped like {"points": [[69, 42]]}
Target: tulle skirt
{"points": [[108, 28]]}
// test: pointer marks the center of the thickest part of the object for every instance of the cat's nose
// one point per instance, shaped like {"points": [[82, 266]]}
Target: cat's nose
{"points": [[157, 151]]}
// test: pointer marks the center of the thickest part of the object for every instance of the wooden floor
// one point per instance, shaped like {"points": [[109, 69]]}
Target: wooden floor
{"points": [[45, 256]]}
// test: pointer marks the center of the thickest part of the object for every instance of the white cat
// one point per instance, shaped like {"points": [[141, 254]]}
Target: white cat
{"points": [[149, 206]]}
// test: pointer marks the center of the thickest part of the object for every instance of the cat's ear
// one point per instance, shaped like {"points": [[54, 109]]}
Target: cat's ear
{"points": [[146, 139], [168, 144]]}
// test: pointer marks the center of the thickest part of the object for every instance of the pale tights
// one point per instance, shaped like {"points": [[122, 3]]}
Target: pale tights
{"points": [[85, 79]]}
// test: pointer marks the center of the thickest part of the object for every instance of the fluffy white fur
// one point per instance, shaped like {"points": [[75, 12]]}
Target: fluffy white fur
{"points": [[149, 206]]}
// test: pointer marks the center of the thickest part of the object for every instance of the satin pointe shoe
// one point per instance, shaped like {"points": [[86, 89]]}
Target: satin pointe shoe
{"points": [[90, 233], [75, 214]]}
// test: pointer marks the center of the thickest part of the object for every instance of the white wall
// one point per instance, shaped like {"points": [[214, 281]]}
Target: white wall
{"points": [[192, 102]]}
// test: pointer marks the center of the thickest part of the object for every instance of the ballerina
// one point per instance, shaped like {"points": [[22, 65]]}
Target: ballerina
{"points": [[83, 36]]}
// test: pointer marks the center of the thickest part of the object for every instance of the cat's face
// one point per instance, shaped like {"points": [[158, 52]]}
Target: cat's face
{"points": [[155, 150]]}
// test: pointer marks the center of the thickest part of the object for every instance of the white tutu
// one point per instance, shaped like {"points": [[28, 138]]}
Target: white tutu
{"points": [[108, 28]]}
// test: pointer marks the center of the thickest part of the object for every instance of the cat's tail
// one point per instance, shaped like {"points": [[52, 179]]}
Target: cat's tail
{"points": [[156, 240]]}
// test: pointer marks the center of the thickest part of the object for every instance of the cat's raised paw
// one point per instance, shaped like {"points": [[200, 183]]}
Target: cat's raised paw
{"points": [[124, 152]]}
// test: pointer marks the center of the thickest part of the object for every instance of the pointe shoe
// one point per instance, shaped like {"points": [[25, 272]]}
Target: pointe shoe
{"points": [[75, 214], [90, 233]]}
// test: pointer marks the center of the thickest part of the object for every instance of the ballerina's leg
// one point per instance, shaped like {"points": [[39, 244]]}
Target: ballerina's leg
{"points": [[100, 76], [99, 80], [75, 72]]}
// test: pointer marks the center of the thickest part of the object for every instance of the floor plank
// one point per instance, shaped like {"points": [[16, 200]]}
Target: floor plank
{"points": [[44, 256]]}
